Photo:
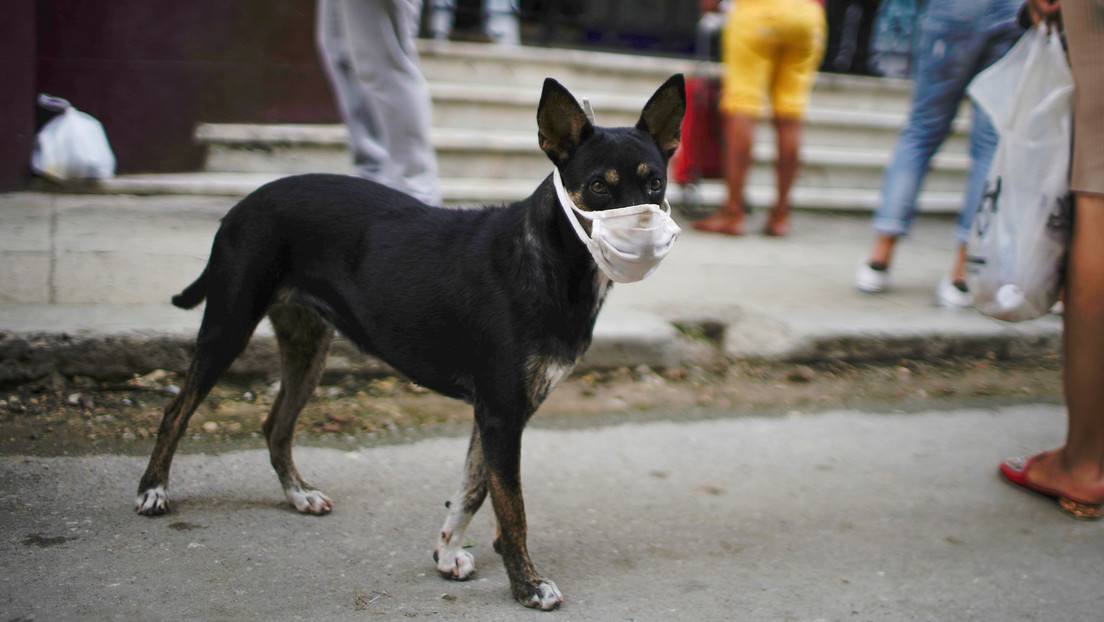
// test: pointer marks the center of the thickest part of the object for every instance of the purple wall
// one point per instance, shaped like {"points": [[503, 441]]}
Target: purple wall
{"points": [[17, 76], [150, 71]]}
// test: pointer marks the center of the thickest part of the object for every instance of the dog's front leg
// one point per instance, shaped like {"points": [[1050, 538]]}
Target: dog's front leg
{"points": [[453, 561], [502, 452]]}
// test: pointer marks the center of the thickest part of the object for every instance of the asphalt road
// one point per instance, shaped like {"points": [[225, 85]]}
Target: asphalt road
{"points": [[834, 516]]}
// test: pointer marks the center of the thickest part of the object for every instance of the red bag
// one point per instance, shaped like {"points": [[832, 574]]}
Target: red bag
{"points": [[699, 155]]}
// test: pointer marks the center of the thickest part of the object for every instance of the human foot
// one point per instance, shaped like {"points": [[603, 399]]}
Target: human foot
{"points": [[724, 220], [778, 222], [1081, 499]]}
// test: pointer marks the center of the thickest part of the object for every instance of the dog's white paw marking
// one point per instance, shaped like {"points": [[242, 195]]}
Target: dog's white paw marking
{"points": [[546, 598], [309, 501], [152, 502], [458, 565]]}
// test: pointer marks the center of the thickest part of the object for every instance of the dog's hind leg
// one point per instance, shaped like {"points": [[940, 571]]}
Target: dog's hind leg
{"points": [[216, 349], [453, 561], [304, 339], [153, 488]]}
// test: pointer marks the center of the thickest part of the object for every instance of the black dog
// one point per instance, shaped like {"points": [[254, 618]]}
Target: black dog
{"points": [[491, 306]]}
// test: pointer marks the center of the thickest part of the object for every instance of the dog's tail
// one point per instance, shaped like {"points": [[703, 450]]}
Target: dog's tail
{"points": [[193, 294]]}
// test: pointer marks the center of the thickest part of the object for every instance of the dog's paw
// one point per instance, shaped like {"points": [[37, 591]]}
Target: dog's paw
{"points": [[152, 502], [456, 565], [543, 595], [309, 501]]}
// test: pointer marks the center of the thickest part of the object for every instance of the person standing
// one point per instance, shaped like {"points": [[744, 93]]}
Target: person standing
{"points": [[1074, 473], [367, 48], [770, 50], [850, 26], [958, 39]]}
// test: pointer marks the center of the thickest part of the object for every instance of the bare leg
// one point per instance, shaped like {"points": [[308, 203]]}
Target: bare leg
{"points": [[739, 132], [882, 253], [788, 133], [304, 340], [958, 270], [1077, 469]]}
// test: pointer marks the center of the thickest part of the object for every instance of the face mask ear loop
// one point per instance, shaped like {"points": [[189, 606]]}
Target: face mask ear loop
{"points": [[569, 208], [588, 111]]}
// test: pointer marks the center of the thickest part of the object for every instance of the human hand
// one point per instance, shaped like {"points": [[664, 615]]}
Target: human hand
{"points": [[710, 6], [1045, 11]]}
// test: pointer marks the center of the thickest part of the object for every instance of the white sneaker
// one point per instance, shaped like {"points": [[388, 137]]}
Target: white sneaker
{"points": [[871, 281], [947, 295]]}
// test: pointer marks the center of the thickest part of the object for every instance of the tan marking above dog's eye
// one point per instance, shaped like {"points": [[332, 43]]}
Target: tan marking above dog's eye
{"points": [[643, 171], [612, 178]]}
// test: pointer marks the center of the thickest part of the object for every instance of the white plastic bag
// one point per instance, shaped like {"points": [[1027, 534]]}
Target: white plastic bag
{"points": [[72, 145], [1016, 249]]}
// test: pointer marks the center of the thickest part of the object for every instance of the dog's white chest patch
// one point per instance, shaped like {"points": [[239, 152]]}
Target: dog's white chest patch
{"points": [[555, 373], [544, 374]]}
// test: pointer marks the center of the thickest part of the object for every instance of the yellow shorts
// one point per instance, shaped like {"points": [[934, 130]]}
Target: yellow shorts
{"points": [[771, 47]]}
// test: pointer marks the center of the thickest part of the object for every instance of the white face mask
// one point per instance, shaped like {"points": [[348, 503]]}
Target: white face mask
{"points": [[627, 243]]}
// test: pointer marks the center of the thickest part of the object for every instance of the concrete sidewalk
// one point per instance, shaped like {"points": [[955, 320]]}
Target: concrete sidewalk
{"points": [[836, 516], [85, 282]]}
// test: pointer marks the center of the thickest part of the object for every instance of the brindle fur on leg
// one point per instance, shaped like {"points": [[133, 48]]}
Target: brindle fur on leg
{"points": [[304, 339], [529, 588], [153, 495], [215, 350], [453, 561], [502, 452]]}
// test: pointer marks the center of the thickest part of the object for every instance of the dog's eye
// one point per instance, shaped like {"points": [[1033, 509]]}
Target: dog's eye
{"points": [[656, 184], [598, 187]]}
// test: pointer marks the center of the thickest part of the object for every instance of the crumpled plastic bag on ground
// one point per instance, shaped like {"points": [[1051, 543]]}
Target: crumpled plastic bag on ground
{"points": [[72, 145]]}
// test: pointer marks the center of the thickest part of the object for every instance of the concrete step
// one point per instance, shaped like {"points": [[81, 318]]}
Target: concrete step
{"points": [[474, 153], [710, 194], [489, 118], [514, 109], [468, 191], [593, 74], [585, 73], [484, 100], [485, 132], [463, 191], [510, 107]]}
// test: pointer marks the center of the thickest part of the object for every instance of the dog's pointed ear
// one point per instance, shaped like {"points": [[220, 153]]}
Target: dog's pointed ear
{"points": [[662, 115], [561, 122]]}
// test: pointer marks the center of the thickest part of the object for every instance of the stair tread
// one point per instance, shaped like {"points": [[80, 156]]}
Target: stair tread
{"points": [[336, 134], [477, 190], [485, 94]]}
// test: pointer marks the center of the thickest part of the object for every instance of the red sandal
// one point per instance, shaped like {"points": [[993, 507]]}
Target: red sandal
{"points": [[1015, 471]]}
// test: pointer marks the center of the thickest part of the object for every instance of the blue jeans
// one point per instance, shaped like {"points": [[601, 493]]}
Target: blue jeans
{"points": [[957, 40]]}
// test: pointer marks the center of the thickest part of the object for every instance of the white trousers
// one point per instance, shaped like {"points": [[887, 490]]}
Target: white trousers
{"points": [[367, 48]]}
